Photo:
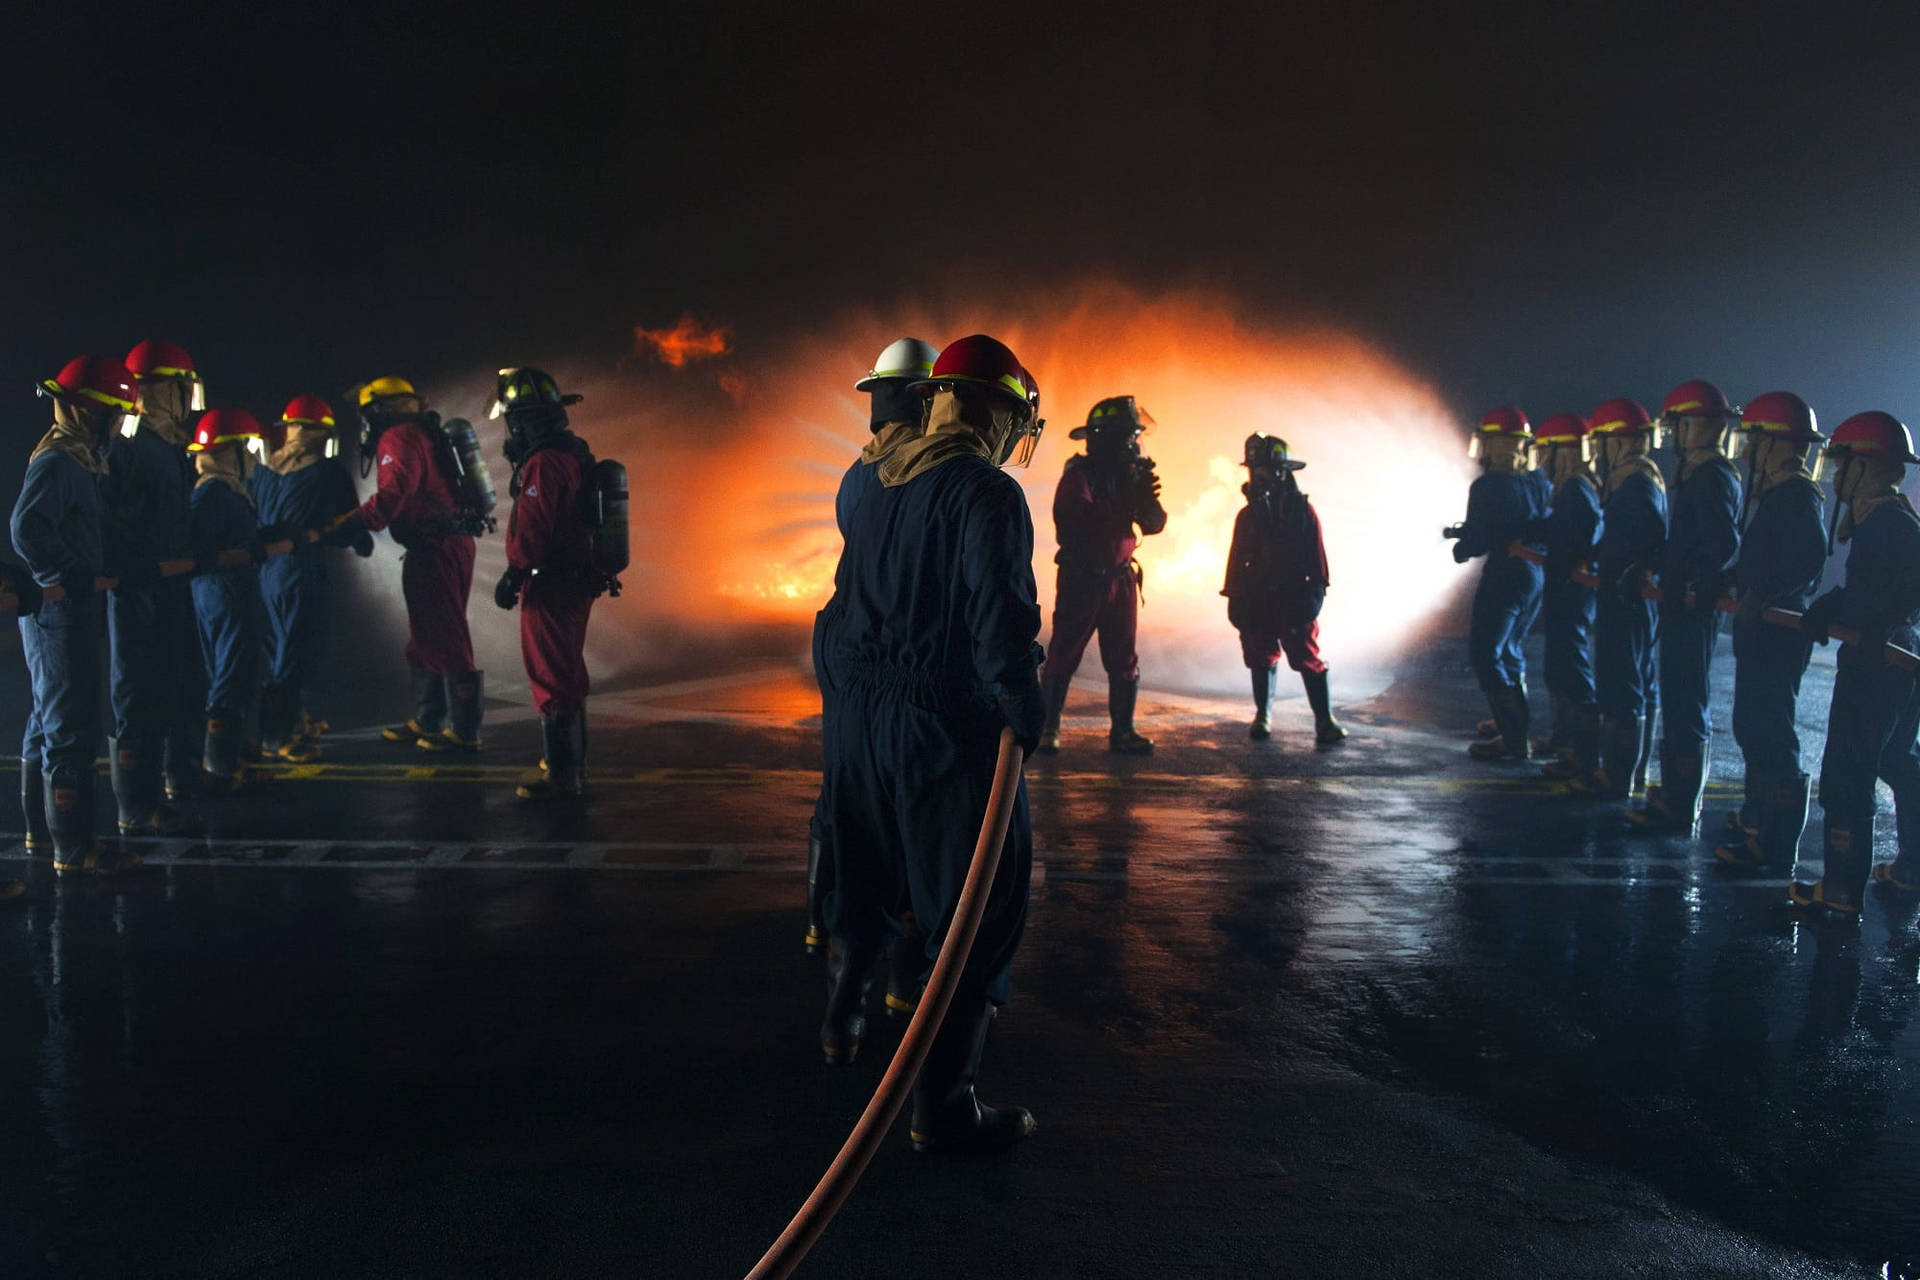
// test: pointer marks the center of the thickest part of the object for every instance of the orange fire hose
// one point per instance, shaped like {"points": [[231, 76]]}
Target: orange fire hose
{"points": [[833, 1189], [232, 557], [1905, 659]]}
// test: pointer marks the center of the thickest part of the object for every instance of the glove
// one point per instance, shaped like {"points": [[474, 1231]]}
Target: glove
{"points": [[1753, 610], [1708, 591], [1460, 553], [139, 573], [344, 534], [1626, 586], [362, 541], [257, 545], [506, 593], [1821, 613], [77, 583], [20, 585]]}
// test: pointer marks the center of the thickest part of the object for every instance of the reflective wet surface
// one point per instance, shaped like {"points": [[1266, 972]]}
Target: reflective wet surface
{"points": [[1378, 1010]]}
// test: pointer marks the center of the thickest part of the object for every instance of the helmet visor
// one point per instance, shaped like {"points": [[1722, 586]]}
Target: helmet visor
{"points": [[1025, 439]]}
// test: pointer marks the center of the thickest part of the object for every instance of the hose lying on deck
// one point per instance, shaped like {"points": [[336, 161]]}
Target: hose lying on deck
{"points": [[834, 1187]]}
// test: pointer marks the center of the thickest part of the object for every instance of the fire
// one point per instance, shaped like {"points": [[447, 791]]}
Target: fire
{"points": [[733, 495], [687, 340]]}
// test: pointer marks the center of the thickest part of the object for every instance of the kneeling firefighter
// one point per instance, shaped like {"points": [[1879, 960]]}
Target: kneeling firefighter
{"points": [[302, 486], [56, 529], [552, 571], [226, 599], [423, 497], [1875, 717], [929, 651], [1276, 582]]}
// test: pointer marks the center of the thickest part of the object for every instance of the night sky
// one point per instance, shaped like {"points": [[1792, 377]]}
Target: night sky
{"points": [[1542, 203]]}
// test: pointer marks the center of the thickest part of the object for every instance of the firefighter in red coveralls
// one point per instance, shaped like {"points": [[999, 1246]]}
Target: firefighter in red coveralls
{"points": [[1103, 494], [550, 569], [415, 499]]}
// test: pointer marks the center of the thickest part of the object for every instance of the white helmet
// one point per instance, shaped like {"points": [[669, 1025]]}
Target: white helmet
{"points": [[907, 358]]}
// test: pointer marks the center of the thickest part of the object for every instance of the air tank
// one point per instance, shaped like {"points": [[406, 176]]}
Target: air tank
{"points": [[609, 519], [473, 487]]}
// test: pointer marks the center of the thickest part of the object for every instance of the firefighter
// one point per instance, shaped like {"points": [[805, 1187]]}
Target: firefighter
{"points": [[415, 499], [302, 486], [1103, 494], [226, 597], [157, 679], [1703, 539], [894, 416], [1276, 582], [550, 569], [57, 529], [1632, 536], [1504, 505], [1876, 706], [1783, 553], [1571, 532], [929, 646]]}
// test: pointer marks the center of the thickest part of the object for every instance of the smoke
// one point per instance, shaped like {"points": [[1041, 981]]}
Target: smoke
{"points": [[734, 460]]}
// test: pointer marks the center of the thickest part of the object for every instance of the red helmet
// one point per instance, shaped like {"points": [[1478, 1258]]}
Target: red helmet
{"points": [[223, 426], [1505, 421], [156, 359], [982, 362], [307, 411], [1781, 413], [1698, 398], [1561, 428], [1621, 417], [98, 379], [1872, 434]]}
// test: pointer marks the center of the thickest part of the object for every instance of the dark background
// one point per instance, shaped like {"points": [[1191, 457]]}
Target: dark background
{"points": [[1541, 203]]}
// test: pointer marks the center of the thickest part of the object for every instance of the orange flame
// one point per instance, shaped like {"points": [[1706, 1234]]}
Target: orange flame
{"points": [[687, 340]]}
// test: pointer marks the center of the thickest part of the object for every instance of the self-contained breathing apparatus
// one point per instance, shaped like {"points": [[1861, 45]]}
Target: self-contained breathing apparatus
{"points": [[456, 451]]}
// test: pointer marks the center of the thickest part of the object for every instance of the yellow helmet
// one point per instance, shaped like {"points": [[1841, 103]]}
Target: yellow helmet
{"points": [[380, 388]]}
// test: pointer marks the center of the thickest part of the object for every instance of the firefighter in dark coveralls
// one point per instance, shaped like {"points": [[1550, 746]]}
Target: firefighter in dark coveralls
{"points": [[1571, 532], [415, 499], [1103, 494], [1872, 725], [928, 652], [1633, 534], [302, 486], [1783, 554], [56, 529], [157, 680], [895, 414], [1276, 582], [1703, 539], [226, 600], [550, 572], [1504, 505]]}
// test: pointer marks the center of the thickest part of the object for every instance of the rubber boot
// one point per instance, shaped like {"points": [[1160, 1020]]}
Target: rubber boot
{"points": [[1675, 806], [1560, 733], [137, 789], [1122, 738], [1054, 691], [906, 959], [1836, 895], [1645, 757], [1774, 844], [430, 709], [33, 804], [559, 776], [849, 979], [1744, 822], [466, 697], [221, 758], [180, 764], [1510, 711], [1582, 756], [816, 931], [1326, 730], [948, 1115], [1620, 743], [276, 721], [69, 806], [1262, 727]]}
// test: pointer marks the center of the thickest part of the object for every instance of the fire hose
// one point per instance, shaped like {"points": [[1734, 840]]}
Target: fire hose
{"points": [[838, 1182], [1905, 659], [231, 558]]}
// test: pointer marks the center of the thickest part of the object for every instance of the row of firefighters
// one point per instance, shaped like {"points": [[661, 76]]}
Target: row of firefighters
{"points": [[184, 550], [1631, 573]]}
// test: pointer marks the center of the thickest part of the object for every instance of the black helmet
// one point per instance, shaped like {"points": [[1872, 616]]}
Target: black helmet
{"points": [[528, 389], [1270, 452], [1115, 413]]}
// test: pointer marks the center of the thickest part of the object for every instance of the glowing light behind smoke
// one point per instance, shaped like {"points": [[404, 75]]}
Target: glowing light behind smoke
{"points": [[687, 340]]}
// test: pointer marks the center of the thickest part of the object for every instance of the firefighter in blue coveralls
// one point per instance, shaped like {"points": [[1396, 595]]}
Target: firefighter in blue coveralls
{"points": [[302, 486], [1503, 506], [1633, 534], [894, 417], [928, 651], [1783, 553], [156, 674], [1703, 539], [56, 528], [1872, 726], [1571, 532], [226, 599]]}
